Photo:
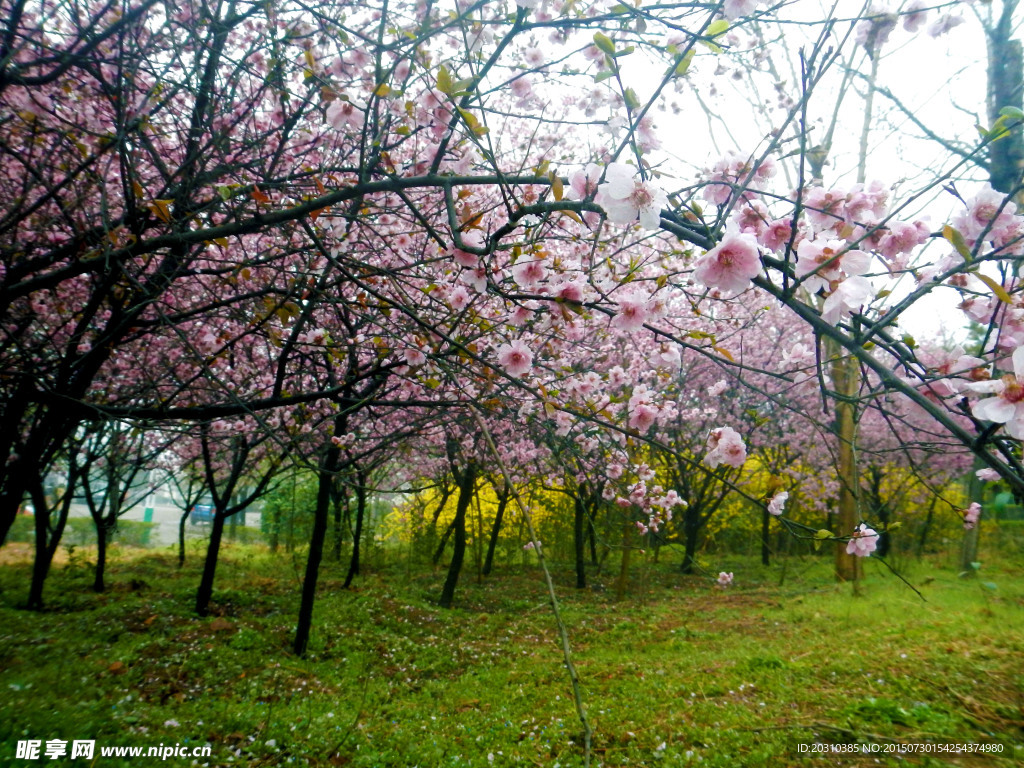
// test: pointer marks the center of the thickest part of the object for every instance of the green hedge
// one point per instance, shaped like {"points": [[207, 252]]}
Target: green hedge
{"points": [[81, 532]]}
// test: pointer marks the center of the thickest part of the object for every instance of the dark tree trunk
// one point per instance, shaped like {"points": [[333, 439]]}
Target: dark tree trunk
{"points": [[275, 529], [102, 535], [467, 483], [766, 550], [205, 591], [884, 538], [337, 496], [357, 534], [444, 542], [923, 539], [691, 529], [592, 538], [503, 498], [46, 542], [181, 537], [579, 519], [1005, 89], [316, 548]]}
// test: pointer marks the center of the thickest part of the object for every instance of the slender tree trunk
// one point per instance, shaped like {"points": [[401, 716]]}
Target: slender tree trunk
{"points": [[102, 534], [627, 550], [766, 550], [1005, 89], [275, 529], [495, 530], [325, 481], [444, 542], [969, 545], [357, 535], [926, 528], [467, 483], [592, 538], [844, 378], [336, 503], [46, 543], [205, 591], [579, 520], [181, 538], [691, 529]]}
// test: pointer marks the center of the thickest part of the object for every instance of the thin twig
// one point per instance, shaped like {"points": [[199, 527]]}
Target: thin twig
{"points": [[563, 633]]}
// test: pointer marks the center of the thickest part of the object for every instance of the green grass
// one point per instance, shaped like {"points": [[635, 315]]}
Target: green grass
{"points": [[680, 673]]}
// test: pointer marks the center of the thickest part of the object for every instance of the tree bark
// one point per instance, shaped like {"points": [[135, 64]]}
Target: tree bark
{"points": [[181, 537], [46, 541], [627, 550], [467, 481], [579, 519], [357, 535], [205, 591], [443, 543], [691, 530], [102, 534], [1005, 89], [844, 378], [503, 497], [766, 550], [304, 624]]}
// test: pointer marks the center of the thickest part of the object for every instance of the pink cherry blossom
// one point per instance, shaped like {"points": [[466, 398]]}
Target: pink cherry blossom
{"points": [[726, 448], [914, 15], [848, 297], [863, 543], [778, 503], [516, 358], [718, 388], [583, 184], [459, 298], [734, 9], [820, 262], [987, 475], [414, 356], [1007, 407], [642, 417], [943, 24], [624, 197], [730, 265], [465, 259], [632, 313], [528, 273], [971, 515], [724, 579]]}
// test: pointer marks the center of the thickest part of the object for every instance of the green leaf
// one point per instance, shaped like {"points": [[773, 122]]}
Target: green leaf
{"points": [[624, 52], [557, 189], [1012, 113], [603, 75], [444, 81], [716, 28], [604, 43], [823, 534], [684, 64], [632, 100], [958, 242], [473, 123], [997, 289]]}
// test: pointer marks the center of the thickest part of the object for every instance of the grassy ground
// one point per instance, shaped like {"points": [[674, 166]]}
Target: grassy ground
{"points": [[680, 673]]}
